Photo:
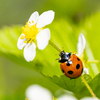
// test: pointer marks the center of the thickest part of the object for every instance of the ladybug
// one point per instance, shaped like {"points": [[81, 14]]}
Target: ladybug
{"points": [[71, 65]]}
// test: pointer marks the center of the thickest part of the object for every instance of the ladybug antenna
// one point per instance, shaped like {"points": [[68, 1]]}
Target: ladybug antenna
{"points": [[57, 59], [56, 54], [62, 48]]}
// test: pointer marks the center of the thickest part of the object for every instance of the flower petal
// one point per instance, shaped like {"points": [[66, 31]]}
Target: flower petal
{"points": [[36, 92], [86, 71], [43, 38], [20, 42], [81, 44], [34, 17], [30, 51], [45, 18]]}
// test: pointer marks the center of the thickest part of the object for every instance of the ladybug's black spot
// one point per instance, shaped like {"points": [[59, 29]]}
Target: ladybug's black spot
{"points": [[77, 66], [78, 59], [63, 71], [82, 70], [68, 64], [70, 72]]}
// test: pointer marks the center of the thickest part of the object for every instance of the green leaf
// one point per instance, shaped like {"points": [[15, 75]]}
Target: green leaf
{"points": [[76, 85]]}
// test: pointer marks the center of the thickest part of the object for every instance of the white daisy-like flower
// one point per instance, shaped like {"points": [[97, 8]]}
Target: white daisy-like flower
{"points": [[80, 49], [36, 92], [34, 34]]}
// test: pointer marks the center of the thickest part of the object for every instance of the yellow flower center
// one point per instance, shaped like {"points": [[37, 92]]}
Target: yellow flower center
{"points": [[30, 32]]}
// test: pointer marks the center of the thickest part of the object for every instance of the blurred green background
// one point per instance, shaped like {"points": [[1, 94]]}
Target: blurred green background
{"points": [[14, 79]]}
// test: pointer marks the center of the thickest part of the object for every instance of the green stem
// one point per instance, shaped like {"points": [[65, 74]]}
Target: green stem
{"points": [[93, 61], [52, 44], [89, 88]]}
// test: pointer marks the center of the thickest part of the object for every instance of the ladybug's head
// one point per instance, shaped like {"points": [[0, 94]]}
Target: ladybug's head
{"points": [[64, 56]]}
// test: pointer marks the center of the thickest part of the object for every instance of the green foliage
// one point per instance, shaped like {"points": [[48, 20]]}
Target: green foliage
{"points": [[65, 36], [76, 85]]}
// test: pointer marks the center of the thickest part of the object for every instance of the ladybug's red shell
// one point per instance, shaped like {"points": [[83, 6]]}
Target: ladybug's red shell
{"points": [[73, 70]]}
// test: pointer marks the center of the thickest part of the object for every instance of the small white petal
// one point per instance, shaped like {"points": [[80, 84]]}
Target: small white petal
{"points": [[36, 92], [81, 44], [86, 71], [67, 97], [45, 18], [34, 17], [30, 51], [20, 42], [43, 38], [88, 98]]}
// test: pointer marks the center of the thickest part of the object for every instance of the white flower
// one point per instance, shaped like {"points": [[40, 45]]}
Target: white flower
{"points": [[80, 49], [36, 92], [81, 44], [34, 34]]}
